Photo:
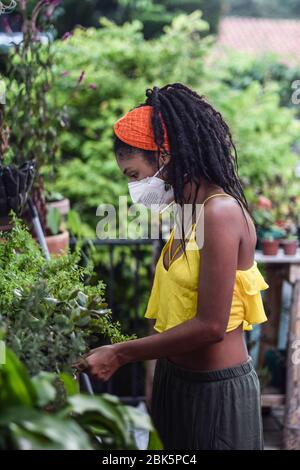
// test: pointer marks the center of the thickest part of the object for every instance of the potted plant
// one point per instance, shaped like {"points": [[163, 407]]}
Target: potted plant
{"points": [[58, 201], [267, 227], [269, 244], [57, 236], [290, 244]]}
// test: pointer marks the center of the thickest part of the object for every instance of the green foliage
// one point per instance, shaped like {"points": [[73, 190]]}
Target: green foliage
{"points": [[48, 312], [242, 70], [154, 14], [29, 422], [33, 127], [119, 65], [264, 131]]}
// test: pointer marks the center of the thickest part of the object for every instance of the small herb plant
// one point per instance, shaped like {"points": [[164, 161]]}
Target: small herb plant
{"points": [[48, 311]]}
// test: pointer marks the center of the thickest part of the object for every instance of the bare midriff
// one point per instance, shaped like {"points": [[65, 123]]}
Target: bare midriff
{"points": [[231, 351]]}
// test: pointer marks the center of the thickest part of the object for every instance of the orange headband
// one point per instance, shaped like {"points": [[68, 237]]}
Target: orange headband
{"points": [[135, 128]]}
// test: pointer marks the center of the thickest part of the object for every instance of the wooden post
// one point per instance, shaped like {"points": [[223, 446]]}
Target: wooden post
{"points": [[291, 434]]}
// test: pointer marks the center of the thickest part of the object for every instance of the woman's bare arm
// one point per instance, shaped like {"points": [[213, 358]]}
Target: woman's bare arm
{"points": [[218, 266]]}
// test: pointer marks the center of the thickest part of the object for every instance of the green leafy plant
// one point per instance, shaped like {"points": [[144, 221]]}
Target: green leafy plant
{"points": [[264, 218], [54, 220], [268, 236], [29, 422], [33, 123], [49, 312], [291, 237]]}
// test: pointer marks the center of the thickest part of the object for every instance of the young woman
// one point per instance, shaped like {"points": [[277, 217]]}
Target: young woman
{"points": [[206, 393]]}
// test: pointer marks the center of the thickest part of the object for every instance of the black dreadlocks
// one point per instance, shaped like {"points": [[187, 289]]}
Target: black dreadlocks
{"points": [[200, 142]]}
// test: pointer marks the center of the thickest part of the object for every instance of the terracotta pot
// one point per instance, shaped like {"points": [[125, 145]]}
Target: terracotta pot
{"points": [[290, 247], [63, 206], [270, 247], [58, 244]]}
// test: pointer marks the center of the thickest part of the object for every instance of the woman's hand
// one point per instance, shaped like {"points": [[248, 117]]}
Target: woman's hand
{"points": [[101, 362]]}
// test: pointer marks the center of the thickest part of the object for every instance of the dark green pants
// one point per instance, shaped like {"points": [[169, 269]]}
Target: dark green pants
{"points": [[217, 409]]}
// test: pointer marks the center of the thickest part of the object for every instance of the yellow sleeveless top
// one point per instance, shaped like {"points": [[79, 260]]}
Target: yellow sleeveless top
{"points": [[174, 294]]}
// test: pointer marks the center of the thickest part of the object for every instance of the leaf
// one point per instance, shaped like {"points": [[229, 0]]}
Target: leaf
{"points": [[48, 432], [99, 407], [139, 419], [45, 390], [74, 222], [83, 321], [82, 299], [154, 442], [53, 220], [71, 385], [73, 294], [16, 387]]}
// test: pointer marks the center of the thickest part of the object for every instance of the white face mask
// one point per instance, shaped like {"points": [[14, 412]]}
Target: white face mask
{"points": [[151, 190]]}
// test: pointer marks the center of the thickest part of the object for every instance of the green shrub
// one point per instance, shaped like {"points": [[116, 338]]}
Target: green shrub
{"points": [[118, 66], [49, 313]]}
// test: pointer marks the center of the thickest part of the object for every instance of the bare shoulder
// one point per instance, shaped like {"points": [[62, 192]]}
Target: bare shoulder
{"points": [[226, 221], [225, 213]]}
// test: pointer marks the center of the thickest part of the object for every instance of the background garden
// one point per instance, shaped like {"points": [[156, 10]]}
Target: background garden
{"points": [[69, 72]]}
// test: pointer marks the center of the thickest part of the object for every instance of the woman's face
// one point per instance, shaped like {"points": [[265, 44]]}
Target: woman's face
{"points": [[136, 167]]}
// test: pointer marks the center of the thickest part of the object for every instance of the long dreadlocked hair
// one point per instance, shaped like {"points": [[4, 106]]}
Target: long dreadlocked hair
{"points": [[200, 141]]}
